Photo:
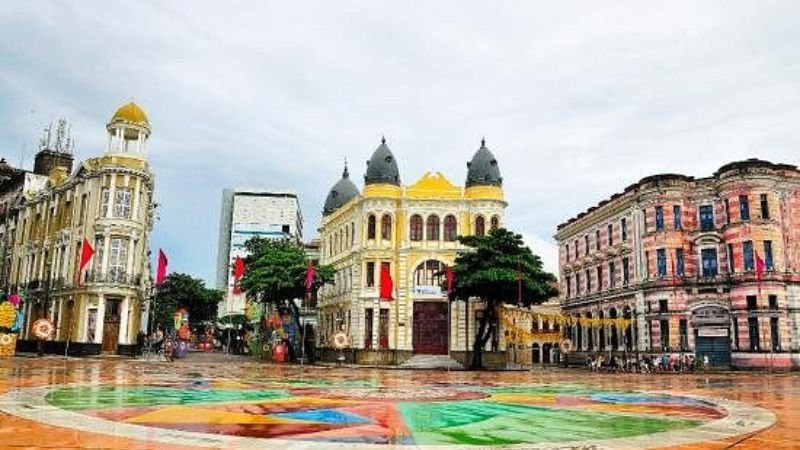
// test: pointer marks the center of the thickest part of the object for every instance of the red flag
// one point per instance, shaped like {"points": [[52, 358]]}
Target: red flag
{"points": [[311, 272], [238, 273], [86, 255], [450, 277], [387, 286], [161, 270], [760, 266]]}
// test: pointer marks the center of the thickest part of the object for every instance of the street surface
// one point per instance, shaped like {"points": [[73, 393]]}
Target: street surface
{"points": [[218, 401]]}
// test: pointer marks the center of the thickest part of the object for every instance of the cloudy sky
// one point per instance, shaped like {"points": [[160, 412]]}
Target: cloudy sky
{"points": [[575, 100]]}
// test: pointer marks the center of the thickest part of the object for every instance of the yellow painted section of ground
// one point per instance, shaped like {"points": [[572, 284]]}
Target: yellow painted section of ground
{"points": [[186, 414]]}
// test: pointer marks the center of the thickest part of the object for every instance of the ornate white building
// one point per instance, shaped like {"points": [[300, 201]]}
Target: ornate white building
{"points": [[410, 230]]}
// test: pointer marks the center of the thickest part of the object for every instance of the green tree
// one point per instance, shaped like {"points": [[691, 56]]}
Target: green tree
{"points": [[498, 269], [276, 273], [180, 290]]}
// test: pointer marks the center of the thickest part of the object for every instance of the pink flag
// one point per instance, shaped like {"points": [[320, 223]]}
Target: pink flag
{"points": [[161, 270], [760, 266], [310, 273]]}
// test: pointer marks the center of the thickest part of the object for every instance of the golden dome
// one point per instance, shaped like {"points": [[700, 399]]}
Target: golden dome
{"points": [[130, 113]]}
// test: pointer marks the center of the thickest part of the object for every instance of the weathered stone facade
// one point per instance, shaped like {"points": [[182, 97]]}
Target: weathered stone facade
{"points": [[107, 201], [679, 256]]}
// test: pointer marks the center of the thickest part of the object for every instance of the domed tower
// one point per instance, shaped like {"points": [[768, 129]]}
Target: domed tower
{"points": [[483, 176], [382, 177], [342, 192], [128, 131]]}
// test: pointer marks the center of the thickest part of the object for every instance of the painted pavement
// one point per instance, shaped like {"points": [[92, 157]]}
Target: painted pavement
{"points": [[336, 408]]}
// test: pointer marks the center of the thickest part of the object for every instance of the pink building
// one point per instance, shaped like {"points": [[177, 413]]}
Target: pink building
{"points": [[678, 255]]}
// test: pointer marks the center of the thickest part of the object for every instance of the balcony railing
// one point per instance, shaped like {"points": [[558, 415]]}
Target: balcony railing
{"points": [[114, 277]]}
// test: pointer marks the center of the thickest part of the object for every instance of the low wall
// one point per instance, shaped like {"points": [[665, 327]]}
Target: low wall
{"points": [[491, 360], [765, 360], [364, 357], [58, 347]]}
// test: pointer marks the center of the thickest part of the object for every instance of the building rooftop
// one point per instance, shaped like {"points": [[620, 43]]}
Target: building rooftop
{"points": [[745, 165]]}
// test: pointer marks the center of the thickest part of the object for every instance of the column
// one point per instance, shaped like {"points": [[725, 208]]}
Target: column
{"points": [[123, 321], [106, 252], [101, 316], [112, 190], [129, 263], [135, 195]]}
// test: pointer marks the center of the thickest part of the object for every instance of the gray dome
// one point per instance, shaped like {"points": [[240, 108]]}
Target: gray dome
{"points": [[483, 169], [342, 192], [382, 167]]}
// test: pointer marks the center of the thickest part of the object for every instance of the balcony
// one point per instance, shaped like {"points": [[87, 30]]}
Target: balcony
{"points": [[114, 277]]}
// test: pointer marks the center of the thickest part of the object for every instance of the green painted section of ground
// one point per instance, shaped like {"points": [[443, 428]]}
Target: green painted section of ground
{"points": [[95, 397], [491, 423]]}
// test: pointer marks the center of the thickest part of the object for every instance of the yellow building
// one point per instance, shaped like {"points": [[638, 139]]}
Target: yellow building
{"points": [[107, 200], [411, 230]]}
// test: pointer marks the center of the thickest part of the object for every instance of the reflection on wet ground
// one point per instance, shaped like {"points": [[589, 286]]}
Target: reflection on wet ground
{"points": [[231, 402]]}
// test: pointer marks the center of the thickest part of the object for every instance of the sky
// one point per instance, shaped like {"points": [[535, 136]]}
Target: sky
{"points": [[576, 99]]}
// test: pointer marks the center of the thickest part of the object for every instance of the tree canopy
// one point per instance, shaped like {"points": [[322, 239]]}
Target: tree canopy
{"points": [[499, 269], [181, 290], [276, 271]]}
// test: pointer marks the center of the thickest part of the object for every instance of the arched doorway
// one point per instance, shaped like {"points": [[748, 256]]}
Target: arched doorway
{"points": [[629, 330], [535, 355], [612, 314], [590, 334], [430, 327], [546, 348]]}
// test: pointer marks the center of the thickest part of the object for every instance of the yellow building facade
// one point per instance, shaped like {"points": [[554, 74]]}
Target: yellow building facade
{"points": [[108, 201], [411, 230]]}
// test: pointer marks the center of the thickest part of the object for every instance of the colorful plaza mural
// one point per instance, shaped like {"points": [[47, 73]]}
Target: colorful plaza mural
{"points": [[366, 411]]}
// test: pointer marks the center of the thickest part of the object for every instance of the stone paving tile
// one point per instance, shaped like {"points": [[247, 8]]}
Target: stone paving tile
{"points": [[349, 406]]}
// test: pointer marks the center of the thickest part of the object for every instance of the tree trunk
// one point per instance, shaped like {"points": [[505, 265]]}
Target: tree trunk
{"points": [[482, 337]]}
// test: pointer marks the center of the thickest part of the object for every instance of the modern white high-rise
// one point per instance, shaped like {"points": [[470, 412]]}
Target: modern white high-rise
{"points": [[247, 213]]}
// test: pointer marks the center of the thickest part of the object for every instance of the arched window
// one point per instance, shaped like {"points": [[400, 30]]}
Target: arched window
{"points": [[352, 234], [495, 222], [429, 277], [415, 226], [386, 227], [480, 226], [346, 235], [450, 228], [371, 227], [432, 232]]}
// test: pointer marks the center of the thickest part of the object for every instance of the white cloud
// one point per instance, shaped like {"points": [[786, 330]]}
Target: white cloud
{"points": [[577, 100]]}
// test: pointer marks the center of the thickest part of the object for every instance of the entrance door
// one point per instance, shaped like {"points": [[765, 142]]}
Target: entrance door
{"points": [[717, 346], [430, 328], [111, 326], [712, 338]]}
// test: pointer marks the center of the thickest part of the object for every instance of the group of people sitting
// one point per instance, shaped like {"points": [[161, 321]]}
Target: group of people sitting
{"points": [[643, 363]]}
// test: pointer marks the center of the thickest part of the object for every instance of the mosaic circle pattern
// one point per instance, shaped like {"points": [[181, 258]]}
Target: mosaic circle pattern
{"points": [[362, 412]]}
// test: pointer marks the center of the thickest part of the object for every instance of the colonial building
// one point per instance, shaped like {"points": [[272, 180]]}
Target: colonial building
{"points": [[108, 201], [680, 255], [407, 232], [248, 213]]}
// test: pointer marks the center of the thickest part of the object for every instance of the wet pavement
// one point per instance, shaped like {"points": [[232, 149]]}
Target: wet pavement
{"points": [[216, 401]]}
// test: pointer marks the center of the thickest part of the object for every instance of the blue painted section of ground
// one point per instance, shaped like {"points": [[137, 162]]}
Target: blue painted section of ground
{"points": [[326, 416]]}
